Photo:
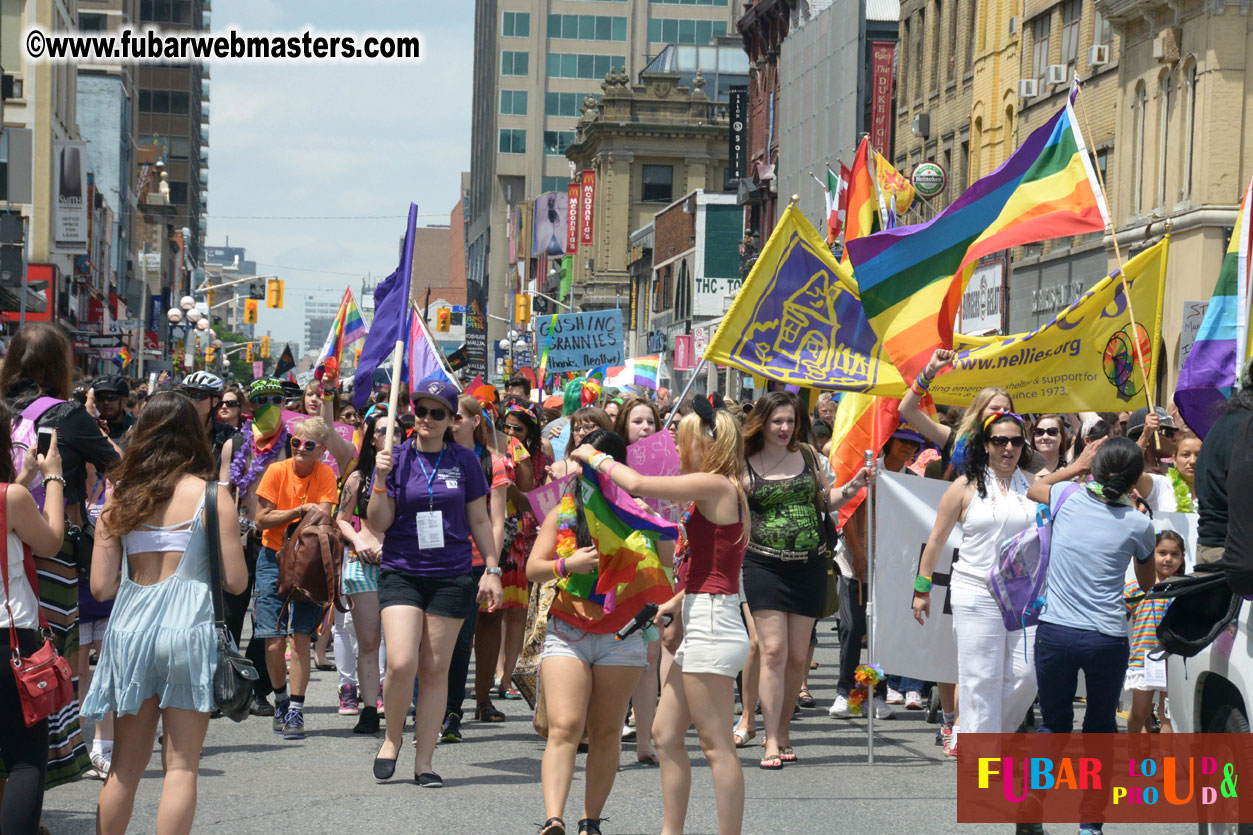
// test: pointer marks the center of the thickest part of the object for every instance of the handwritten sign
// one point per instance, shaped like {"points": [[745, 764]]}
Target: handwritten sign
{"points": [[579, 341], [544, 499], [1193, 314], [657, 455], [344, 431]]}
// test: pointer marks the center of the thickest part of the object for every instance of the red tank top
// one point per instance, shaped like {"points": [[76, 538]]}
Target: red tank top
{"points": [[715, 556]]}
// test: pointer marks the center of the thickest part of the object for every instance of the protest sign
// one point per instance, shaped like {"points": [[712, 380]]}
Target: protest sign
{"points": [[543, 499], [657, 455], [344, 431], [579, 341]]}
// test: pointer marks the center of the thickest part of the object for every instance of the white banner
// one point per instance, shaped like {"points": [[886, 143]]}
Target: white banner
{"points": [[905, 508], [69, 182]]}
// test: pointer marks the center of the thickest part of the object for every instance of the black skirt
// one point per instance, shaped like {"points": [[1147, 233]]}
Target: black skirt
{"points": [[796, 587]]}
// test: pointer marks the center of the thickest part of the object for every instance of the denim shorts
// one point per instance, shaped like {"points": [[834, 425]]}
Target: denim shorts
{"points": [[565, 640], [448, 597], [301, 618]]}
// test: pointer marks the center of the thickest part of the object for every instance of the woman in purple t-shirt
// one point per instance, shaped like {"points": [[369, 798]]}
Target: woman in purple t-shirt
{"points": [[429, 499]]}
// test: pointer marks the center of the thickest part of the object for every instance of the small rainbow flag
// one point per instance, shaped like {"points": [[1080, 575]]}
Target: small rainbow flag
{"points": [[347, 328], [640, 371], [122, 358]]}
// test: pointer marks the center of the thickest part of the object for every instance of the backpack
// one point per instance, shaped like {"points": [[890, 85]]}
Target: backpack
{"points": [[1020, 572], [309, 563], [1202, 606], [26, 437]]}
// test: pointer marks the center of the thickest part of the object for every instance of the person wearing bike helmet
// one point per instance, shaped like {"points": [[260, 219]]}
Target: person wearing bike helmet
{"points": [[205, 390]]}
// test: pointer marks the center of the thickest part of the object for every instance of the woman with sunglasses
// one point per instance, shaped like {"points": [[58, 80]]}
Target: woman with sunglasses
{"points": [[531, 465], [995, 671], [1049, 439], [231, 409], [358, 632], [429, 499]]}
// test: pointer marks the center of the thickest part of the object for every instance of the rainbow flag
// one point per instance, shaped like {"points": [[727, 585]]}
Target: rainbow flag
{"points": [[639, 371], [122, 358], [861, 218], [911, 278], [1213, 365], [862, 422], [347, 328]]}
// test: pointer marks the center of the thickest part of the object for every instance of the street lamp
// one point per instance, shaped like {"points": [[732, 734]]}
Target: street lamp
{"points": [[187, 318]]}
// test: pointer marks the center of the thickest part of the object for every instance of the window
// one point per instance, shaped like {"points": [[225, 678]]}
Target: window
{"points": [[179, 102], [951, 46], [587, 27], [512, 141], [178, 193], [556, 141], [973, 29], [935, 47], [1101, 30], [516, 25], [89, 22], [919, 41], [563, 104], [576, 65], [1165, 90], [683, 293], [515, 63], [658, 184], [903, 50], [683, 30], [553, 184], [1189, 114], [1071, 12], [513, 102], [1040, 45], [180, 147], [1137, 160]]}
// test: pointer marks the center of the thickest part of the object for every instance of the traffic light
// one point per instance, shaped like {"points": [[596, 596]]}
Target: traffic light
{"points": [[442, 318], [250, 311], [210, 298], [522, 308], [248, 352], [208, 355], [265, 347], [274, 293]]}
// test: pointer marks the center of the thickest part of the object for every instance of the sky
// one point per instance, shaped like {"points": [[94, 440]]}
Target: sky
{"points": [[290, 143]]}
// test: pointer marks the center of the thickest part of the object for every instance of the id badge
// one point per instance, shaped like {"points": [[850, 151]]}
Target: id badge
{"points": [[430, 524], [1155, 670]]}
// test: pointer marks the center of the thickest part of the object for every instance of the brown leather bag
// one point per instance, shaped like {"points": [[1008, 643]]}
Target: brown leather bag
{"points": [[310, 562]]}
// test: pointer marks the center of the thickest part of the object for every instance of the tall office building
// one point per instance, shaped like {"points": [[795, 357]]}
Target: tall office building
{"points": [[534, 63], [174, 114]]}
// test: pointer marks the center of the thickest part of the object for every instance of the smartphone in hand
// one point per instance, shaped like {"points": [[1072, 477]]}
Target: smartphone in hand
{"points": [[45, 440]]}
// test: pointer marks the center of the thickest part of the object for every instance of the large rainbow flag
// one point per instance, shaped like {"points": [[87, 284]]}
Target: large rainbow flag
{"points": [[861, 217], [911, 278], [347, 328], [638, 371], [1221, 346], [862, 422]]}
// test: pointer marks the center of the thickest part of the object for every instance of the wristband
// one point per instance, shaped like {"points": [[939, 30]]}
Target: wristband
{"points": [[377, 489], [556, 569], [561, 568], [612, 464], [50, 478], [922, 585]]}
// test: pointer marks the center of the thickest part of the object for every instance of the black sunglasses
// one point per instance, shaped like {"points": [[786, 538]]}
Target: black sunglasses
{"points": [[436, 413], [197, 394], [267, 400], [107, 397], [1051, 431], [307, 446], [230, 404], [382, 430], [1167, 431], [999, 441]]}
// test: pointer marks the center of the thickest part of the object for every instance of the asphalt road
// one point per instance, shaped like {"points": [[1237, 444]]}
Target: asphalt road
{"points": [[251, 781]]}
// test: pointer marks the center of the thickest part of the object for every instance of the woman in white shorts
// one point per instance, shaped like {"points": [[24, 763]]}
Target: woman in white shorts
{"points": [[712, 642], [586, 673]]}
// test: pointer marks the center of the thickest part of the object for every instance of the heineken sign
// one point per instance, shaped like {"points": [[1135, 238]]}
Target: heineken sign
{"points": [[928, 179]]}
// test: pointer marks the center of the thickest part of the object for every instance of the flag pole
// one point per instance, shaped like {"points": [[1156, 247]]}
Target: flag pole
{"points": [[1122, 273], [393, 397], [870, 614], [674, 409]]}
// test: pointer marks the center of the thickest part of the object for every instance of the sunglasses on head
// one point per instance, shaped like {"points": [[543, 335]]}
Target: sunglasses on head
{"points": [[307, 446], [1051, 431], [267, 400], [1000, 441], [197, 394], [436, 413]]}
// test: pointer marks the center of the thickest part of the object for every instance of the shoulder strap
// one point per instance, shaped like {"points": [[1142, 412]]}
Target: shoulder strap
{"points": [[28, 562], [36, 410], [210, 520], [1067, 491]]}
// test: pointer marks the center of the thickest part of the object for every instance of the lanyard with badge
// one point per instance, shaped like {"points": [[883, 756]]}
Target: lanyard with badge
{"points": [[430, 523]]}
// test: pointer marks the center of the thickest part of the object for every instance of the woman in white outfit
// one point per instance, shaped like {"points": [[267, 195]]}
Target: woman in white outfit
{"points": [[995, 671]]}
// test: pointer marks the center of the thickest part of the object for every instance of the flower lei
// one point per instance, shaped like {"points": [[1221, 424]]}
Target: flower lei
{"points": [[682, 546], [244, 474], [567, 521], [1183, 494], [867, 677]]}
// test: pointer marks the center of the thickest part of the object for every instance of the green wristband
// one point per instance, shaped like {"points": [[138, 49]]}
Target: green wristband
{"points": [[922, 585]]}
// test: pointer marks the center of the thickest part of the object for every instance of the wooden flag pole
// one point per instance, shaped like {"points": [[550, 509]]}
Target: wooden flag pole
{"points": [[393, 397]]}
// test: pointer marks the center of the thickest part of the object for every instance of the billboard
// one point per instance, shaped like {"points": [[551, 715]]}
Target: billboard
{"points": [[69, 219], [550, 226]]}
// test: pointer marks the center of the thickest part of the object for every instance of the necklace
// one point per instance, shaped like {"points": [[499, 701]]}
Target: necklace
{"points": [[766, 470]]}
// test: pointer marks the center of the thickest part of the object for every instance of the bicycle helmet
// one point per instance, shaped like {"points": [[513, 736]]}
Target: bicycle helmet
{"points": [[204, 381]]}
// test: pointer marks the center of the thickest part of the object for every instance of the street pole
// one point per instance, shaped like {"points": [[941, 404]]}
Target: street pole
{"points": [[870, 613], [23, 281]]}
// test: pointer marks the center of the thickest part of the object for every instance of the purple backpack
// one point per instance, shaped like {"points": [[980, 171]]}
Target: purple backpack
{"points": [[25, 437], [1021, 570]]}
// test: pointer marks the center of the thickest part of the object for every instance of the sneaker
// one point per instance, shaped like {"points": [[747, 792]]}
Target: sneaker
{"points": [[950, 740], [628, 733], [349, 704], [261, 706], [280, 715], [294, 724], [379, 706], [100, 765], [895, 697], [881, 709], [451, 731], [913, 700], [367, 721], [839, 708]]}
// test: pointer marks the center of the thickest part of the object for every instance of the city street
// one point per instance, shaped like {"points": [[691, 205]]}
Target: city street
{"points": [[251, 781]]}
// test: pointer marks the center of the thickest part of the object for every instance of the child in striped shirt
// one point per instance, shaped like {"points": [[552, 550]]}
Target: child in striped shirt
{"points": [[1145, 616]]}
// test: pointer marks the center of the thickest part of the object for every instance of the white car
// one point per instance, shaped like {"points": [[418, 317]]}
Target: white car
{"points": [[1213, 692]]}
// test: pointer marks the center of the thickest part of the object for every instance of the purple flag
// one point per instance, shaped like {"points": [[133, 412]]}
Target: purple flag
{"points": [[391, 300]]}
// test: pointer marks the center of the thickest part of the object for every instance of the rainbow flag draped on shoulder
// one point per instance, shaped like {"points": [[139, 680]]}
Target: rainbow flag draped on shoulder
{"points": [[347, 328], [1213, 365], [911, 278]]}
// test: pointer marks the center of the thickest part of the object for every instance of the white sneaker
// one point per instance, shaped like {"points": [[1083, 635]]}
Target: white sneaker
{"points": [[100, 765], [839, 708], [895, 697], [881, 709], [913, 700]]}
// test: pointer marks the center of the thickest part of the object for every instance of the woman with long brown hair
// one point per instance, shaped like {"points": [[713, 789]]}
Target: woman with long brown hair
{"points": [[159, 654]]}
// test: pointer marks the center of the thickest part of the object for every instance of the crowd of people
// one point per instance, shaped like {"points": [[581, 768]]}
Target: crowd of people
{"points": [[446, 561]]}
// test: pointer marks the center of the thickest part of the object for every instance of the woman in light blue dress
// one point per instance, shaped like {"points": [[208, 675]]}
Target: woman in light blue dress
{"points": [[159, 652]]}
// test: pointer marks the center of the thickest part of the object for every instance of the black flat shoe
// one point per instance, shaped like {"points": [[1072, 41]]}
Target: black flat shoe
{"points": [[553, 826], [384, 769], [429, 780], [590, 826]]}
